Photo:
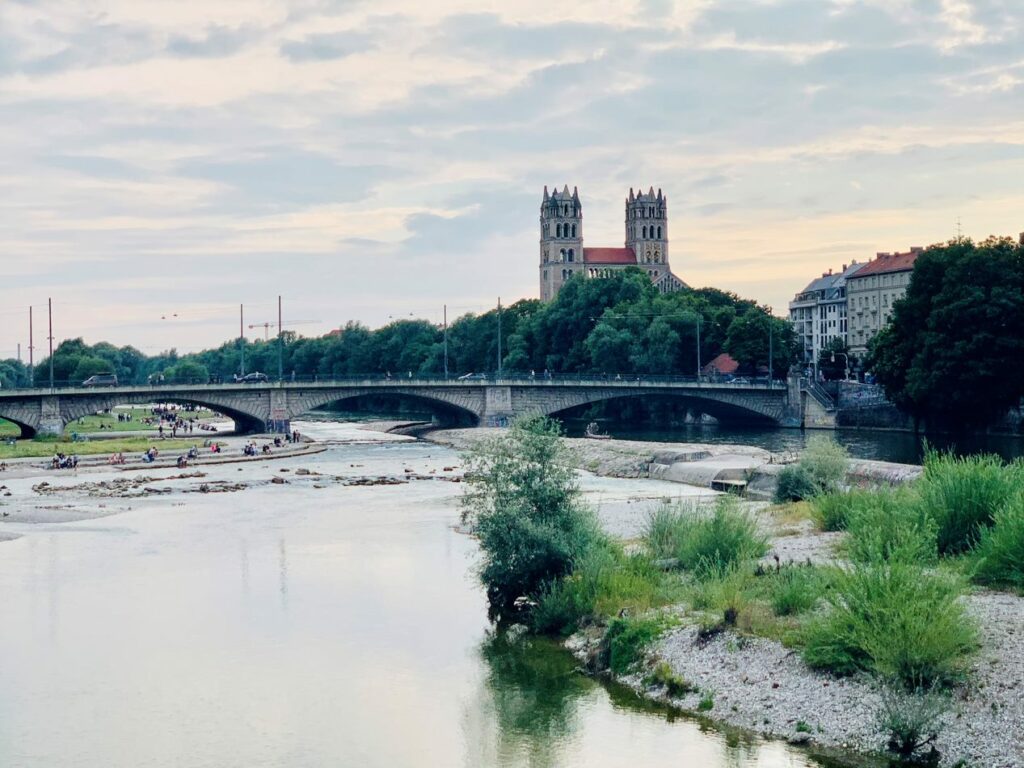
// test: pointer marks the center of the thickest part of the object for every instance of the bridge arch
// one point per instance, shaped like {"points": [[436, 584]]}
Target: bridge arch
{"points": [[245, 421], [22, 421], [455, 406], [726, 406]]}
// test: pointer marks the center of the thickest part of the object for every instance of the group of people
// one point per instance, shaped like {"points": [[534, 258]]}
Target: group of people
{"points": [[60, 461], [250, 449]]}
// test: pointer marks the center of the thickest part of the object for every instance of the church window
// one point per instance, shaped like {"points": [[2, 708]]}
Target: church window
{"points": [[645, 232], [659, 233], [574, 230], [561, 253], [566, 210], [558, 230], [571, 253]]}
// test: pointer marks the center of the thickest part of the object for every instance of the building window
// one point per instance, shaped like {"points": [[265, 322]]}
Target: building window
{"points": [[659, 233], [645, 232], [574, 230], [571, 253]]}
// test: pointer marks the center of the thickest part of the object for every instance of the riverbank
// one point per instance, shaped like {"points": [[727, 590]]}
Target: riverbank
{"points": [[741, 674]]}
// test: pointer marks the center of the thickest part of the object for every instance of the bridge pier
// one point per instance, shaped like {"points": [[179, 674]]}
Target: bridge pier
{"points": [[498, 411], [51, 421]]}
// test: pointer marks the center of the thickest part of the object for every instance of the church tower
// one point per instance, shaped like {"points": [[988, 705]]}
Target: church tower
{"points": [[647, 230], [561, 239]]}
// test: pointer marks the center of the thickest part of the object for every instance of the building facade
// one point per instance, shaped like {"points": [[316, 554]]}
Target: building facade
{"points": [[871, 293], [819, 311], [563, 256]]}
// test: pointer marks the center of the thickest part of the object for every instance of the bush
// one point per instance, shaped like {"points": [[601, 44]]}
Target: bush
{"points": [[895, 620], [1001, 547], [826, 462], [674, 685], [604, 582], [963, 494], [890, 525], [822, 469], [627, 639], [911, 723], [523, 502], [831, 511], [794, 590], [705, 544], [794, 483]]}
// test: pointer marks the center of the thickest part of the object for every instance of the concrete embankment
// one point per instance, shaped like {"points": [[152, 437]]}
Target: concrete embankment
{"points": [[724, 467]]}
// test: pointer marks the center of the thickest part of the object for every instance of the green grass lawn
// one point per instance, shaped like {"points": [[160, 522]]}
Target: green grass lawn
{"points": [[107, 422], [8, 429], [129, 445]]}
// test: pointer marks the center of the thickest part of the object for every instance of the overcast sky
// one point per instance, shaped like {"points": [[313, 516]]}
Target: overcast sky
{"points": [[174, 158]]}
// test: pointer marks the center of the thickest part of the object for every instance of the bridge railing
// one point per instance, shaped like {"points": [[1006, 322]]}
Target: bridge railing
{"points": [[385, 379]]}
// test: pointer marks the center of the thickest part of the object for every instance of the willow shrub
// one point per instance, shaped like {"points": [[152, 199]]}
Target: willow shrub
{"points": [[963, 494], [895, 620], [524, 504], [1001, 547], [821, 470]]}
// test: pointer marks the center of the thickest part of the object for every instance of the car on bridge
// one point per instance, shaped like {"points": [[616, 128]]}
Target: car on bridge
{"points": [[101, 380], [252, 378]]}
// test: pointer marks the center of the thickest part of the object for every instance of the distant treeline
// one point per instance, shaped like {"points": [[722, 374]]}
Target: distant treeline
{"points": [[619, 324]]}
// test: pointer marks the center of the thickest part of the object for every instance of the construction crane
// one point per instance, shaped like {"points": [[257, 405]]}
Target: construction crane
{"points": [[269, 324]]}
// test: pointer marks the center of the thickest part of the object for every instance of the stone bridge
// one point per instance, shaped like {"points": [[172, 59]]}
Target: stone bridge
{"points": [[269, 407]]}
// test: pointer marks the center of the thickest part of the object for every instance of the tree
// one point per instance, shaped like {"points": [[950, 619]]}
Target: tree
{"points": [[755, 337], [954, 351], [835, 360], [88, 365], [188, 372], [524, 503]]}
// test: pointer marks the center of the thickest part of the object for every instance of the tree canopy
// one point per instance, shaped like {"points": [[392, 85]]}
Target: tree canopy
{"points": [[954, 351], [619, 324]]}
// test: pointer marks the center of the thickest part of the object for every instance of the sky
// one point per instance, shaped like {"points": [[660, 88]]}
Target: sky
{"points": [[164, 161]]}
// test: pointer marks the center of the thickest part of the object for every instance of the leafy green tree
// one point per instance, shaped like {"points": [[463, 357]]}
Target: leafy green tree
{"points": [[188, 372], [756, 336], [835, 360], [954, 351], [524, 503], [89, 365]]}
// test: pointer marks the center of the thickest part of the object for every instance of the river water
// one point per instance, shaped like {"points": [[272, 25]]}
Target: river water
{"points": [[286, 625]]}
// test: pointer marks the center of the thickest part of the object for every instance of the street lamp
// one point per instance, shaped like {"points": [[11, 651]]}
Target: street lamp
{"points": [[846, 364]]}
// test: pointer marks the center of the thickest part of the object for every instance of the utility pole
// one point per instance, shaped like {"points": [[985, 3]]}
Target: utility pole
{"points": [[31, 363], [280, 343], [698, 346], [771, 352], [49, 312], [499, 336], [446, 342], [241, 339]]}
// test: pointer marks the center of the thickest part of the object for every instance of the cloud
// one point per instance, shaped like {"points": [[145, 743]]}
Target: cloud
{"points": [[327, 47]]}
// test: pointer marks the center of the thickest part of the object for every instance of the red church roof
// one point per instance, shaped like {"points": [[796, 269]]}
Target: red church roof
{"points": [[609, 256]]}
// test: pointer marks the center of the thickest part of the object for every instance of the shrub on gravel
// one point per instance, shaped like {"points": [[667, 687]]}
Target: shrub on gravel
{"points": [[963, 494], [794, 483], [1001, 548], [795, 589], [821, 469], [627, 640], [705, 544], [895, 620], [911, 723], [890, 525]]}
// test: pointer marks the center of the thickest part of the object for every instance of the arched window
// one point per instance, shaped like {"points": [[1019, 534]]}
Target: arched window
{"points": [[572, 253], [566, 210], [659, 233], [645, 232], [561, 253], [558, 230], [574, 230]]}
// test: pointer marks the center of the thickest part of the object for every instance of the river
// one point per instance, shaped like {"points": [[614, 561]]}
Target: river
{"points": [[286, 625]]}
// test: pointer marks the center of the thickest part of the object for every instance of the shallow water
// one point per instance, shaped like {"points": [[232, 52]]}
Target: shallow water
{"points": [[294, 626]]}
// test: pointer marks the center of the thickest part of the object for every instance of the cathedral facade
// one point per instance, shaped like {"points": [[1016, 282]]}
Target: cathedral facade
{"points": [[563, 257]]}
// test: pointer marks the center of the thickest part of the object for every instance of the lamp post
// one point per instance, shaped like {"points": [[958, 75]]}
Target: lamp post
{"points": [[499, 336], [446, 342], [846, 364]]}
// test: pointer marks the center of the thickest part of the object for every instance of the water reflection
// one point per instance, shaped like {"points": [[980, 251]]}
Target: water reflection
{"points": [[546, 714]]}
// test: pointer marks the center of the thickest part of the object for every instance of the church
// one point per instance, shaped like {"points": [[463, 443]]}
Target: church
{"points": [[562, 255]]}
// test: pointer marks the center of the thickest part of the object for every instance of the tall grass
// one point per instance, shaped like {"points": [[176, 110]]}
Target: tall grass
{"points": [[963, 494], [703, 543], [604, 582], [1001, 547], [889, 525], [895, 620], [628, 639], [795, 590]]}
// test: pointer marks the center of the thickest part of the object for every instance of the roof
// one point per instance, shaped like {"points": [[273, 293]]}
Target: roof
{"points": [[888, 262], [609, 256], [724, 363]]}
